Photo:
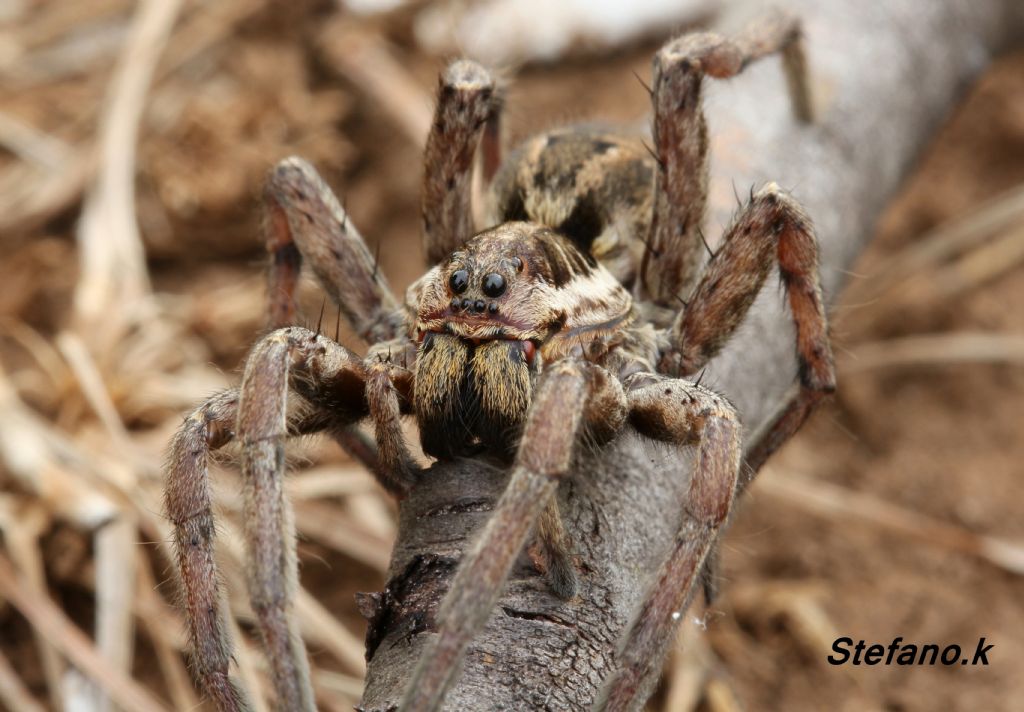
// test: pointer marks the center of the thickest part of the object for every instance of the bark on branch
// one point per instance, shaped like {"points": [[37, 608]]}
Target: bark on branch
{"points": [[885, 75]]}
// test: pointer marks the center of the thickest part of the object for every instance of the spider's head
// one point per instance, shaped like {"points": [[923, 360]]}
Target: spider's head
{"points": [[484, 314], [514, 282]]}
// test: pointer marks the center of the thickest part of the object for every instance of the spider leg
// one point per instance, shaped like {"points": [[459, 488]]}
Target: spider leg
{"points": [[310, 362], [323, 374], [553, 427], [303, 220], [388, 389], [557, 546], [466, 103], [490, 144], [188, 506], [771, 228], [670, 263], [676, 410], [783, 424]]}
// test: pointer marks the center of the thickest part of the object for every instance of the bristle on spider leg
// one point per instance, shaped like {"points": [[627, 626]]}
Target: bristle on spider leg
{"points": [[320, 319], [376, 261], [704, 241], [654, 154], [645, 85], [650, 248]]}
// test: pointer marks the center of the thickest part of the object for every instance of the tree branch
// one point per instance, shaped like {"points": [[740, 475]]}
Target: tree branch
{"points": [[885, 74]]}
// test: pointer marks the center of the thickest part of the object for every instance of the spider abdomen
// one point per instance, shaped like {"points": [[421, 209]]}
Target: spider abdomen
{"points": [[592, 186]]}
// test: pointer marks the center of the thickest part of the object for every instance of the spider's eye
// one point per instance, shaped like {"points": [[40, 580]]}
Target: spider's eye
{"points": [[459, 281], [494, 285]]}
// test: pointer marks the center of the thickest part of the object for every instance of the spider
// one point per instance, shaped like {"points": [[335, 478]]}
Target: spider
{"points": [[581, 312]]}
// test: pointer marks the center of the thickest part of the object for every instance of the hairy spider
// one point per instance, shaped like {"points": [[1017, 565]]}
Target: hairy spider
{"points": [[560, 323]]}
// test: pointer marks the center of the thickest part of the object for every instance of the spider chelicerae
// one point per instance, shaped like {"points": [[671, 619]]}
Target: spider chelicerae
{"points": [[579, 313]]}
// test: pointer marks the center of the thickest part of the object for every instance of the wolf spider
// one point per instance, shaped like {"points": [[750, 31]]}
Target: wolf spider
{"points": [[560, 323]]}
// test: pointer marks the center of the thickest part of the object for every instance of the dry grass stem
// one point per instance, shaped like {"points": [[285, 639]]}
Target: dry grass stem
{"points": [[46, 617], [349, 687], [31, 145], [688, 670], [334, 481], [115, 586], [721, 697], [323, 523], [93, 386], [248, 668], [22, 524], [113, 267], [940, 245], [13, 693], [41, 460], [321, 628], [164, 626], [832, 502], [61, 19], [797, 603], [31, 196], [934, 350], [366, 61], [977, 267], [204, 28]]}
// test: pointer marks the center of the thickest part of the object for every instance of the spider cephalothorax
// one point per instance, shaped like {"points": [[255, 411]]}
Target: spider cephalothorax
{"points": [[580, 313], [512, 298]]}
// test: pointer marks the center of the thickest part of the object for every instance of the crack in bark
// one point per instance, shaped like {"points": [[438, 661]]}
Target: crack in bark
{"points": [[533, 616], [407, 605], [466, 505]]}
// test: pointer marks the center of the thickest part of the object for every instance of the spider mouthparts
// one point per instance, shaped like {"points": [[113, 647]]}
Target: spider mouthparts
{"points": [[529, 351], [528, 347]]}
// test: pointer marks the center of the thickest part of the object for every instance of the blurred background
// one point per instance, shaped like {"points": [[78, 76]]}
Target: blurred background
{"points": [[133, 142]]}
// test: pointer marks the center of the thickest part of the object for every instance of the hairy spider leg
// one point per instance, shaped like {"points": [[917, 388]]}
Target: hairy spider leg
{"points": [[389, 389], [303, 221], [672, 259], [328, 383], [553, 428], [677, 411], [771, 229], [491, 143], [466, 104]]}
